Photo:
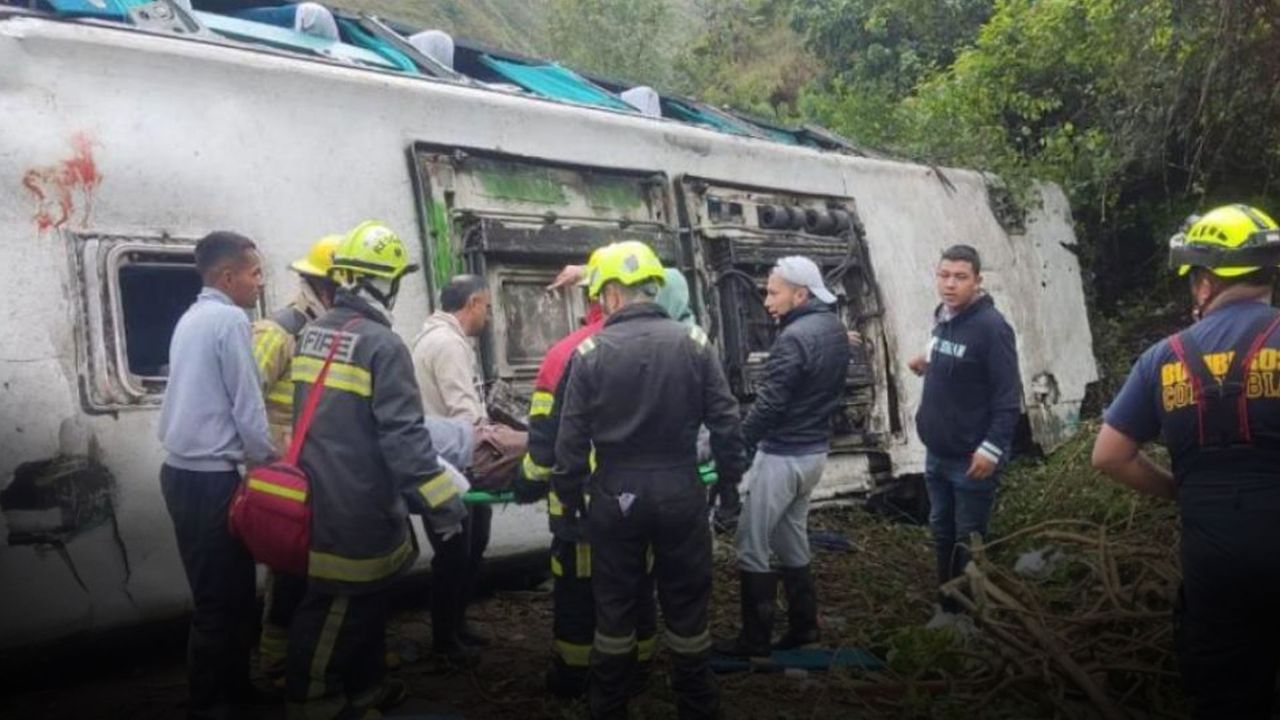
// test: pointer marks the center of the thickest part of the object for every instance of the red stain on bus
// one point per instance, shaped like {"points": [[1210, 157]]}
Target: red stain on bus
{"points": [[65, 191]]}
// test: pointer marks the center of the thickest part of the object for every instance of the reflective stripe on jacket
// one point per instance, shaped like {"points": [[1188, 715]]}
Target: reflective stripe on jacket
{"points": [[638, 391], [274, 339], [368, 454], [544, 414]]}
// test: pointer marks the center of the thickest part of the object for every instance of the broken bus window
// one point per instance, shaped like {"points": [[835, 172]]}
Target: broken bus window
{"points": [[153, 296]]}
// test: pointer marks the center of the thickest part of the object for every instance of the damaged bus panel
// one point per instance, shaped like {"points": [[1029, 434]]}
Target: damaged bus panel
{"points": [[737, 234], [517, 223]]}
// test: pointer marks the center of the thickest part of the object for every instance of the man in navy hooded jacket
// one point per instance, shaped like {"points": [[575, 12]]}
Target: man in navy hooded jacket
{"points": [[969, 409]]}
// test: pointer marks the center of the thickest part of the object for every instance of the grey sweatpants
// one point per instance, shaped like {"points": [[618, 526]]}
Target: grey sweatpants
{"points": [[775, 510]]}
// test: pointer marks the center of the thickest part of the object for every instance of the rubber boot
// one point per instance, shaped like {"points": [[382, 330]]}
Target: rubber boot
{"points": [[467, 633], [273, 648], [387, 695], [566, 683], [640, 678], [802, 608], [758, 593]]}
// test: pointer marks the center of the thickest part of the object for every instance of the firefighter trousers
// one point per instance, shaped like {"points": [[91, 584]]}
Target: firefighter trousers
{"points": [[337, 647], [632, 511], [283, 593], [573, 618], [1228, 616]]}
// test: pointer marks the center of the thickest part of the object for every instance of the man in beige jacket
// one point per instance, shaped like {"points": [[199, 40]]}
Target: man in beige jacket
{"points": [[444, 361], [443, 356]]}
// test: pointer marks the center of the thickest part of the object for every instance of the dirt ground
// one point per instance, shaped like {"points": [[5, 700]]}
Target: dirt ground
{"points": [[876, 593]]}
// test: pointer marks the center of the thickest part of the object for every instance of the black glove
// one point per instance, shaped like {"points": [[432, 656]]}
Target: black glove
{"points": [[727, 504], [570, 524], [528, 491]]}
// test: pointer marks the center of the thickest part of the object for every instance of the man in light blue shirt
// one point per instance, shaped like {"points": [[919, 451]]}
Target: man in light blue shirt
{"points": [[213, 420]]}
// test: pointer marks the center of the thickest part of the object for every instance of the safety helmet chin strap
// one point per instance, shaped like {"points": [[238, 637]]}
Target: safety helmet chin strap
{"points": [[381, 289]]}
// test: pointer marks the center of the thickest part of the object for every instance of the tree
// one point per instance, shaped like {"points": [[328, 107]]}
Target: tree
{"points": [[877, 52], [1141, 109], [747, 57], [629, 40], [891, 44]]}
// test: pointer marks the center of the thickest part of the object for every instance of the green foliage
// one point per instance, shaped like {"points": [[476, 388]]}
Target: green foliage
{"points": [[1140, 109], [915, 651], [865, 112], [1065, 485], [747, 57], [1056, 86], [888, 44], [1134, 324], [626, 39]]}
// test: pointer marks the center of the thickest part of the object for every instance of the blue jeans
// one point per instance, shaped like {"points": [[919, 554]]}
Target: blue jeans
{"points": [[958, 507]]}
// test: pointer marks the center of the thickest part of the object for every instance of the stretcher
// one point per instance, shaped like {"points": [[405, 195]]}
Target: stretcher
{"points": [[706, 471]]}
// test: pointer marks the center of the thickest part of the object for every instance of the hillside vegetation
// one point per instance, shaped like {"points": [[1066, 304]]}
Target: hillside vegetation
{"points": [[1143, 110], [518, 25]]}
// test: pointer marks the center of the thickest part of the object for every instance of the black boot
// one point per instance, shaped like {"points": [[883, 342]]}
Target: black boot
{"points": [[472, 636], [444, 628], [467, 633], [566, 683], [640, 678], [802, 608], [759, 593]]}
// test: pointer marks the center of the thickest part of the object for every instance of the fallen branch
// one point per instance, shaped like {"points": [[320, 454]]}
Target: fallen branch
{"points": [[1072, 669]]}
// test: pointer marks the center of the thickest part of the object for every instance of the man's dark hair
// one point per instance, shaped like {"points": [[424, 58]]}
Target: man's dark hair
{"points": [[219, 247], [454, 296], [964, 253]]}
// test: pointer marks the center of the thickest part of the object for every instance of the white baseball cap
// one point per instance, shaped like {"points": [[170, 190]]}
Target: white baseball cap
{"points": [[800, 270]]}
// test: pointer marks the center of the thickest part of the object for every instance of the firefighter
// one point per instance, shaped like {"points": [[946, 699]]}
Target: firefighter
{"points": [[275, 337], [637, 392], [573, 604], [274, 341], [1211, 393], [370, 462]]}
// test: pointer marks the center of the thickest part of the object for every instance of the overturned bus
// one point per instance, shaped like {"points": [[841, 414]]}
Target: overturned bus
{"points": [[132, 129]]}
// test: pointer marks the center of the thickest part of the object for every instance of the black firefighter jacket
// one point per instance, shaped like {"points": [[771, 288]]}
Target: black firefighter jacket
{"points": [[368, 455], [638, 391]]}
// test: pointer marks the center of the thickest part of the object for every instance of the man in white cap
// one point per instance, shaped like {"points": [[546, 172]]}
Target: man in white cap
{"points": [[789, 425]]}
